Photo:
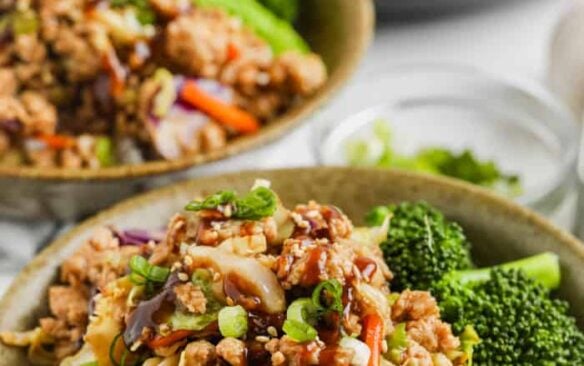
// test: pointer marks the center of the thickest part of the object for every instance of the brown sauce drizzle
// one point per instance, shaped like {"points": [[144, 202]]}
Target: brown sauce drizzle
{"points": [[366, 266], [239, 291], [329, 329], [257, 355], [303, 357], [258, 323], [315, 266], [328, 357]]}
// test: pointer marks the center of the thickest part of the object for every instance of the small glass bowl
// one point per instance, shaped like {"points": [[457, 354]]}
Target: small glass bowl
{"points": [[517, 124]]}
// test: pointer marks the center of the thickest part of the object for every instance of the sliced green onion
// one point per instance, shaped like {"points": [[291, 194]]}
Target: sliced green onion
{"points": [[104, 151], [299, 331], [233, 321], [166, 96], [212, 202], [302, 310], [397, 343], [140, 266], [112, 349], [258, 203], [137, 279], [191, 322], [332, 291]]}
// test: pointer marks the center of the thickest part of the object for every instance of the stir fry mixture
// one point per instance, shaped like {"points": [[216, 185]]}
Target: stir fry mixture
{"points": [[243, 280], [239, 281], [93, 83]]}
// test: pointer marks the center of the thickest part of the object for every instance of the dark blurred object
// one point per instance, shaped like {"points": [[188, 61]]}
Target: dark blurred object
{"points": [[426, 8]]}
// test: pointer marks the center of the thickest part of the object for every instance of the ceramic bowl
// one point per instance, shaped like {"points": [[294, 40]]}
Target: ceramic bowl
{"points": [[499, 229], [338, 30]]}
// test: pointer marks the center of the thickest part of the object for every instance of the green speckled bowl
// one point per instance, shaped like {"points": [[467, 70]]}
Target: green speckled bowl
{"points": [[499, 229]]}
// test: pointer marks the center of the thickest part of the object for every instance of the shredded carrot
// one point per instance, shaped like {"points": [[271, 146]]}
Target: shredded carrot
{"points": [[372, 335], [165, 341], [233, 52], [116, 72], [228, 115], [57, 142]]}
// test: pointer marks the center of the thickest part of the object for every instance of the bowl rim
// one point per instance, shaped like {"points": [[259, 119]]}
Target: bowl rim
{"points": [[480, 194], [295, 117]]}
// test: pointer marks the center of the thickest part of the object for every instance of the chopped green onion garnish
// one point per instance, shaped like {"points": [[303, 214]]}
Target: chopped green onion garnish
{"points": [[260, 202], [332, 292], [233, 321], [104, 151], [191, 322], [112, 350], [166, 96], [141, 268], [302, 310], [299, 331], [397, 343], [212, 202]]}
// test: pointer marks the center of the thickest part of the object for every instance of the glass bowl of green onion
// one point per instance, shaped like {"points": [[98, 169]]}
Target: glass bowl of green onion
{"points": [[508, 135]]}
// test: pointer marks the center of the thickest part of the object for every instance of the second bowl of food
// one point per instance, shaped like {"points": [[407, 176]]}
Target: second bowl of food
{"points": [[99, 94], [303, 267]]}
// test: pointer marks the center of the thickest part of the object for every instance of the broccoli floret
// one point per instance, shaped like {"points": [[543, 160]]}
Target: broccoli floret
{"points": [[422, 245], [511, 309]]}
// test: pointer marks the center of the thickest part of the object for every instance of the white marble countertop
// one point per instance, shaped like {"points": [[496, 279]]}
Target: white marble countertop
{"points": [[510, 38]]}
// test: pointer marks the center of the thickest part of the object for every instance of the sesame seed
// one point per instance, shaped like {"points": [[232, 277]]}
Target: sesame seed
{"points": [[188, 260], [164, 329], [183, 276], [262, 339], [135, 346], [229, 301], [175, 266], [384, 346], [278, 358], [272, 331]]}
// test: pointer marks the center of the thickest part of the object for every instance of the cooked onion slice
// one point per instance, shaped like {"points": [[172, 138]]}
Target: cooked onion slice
{"points": [[260, 281]]}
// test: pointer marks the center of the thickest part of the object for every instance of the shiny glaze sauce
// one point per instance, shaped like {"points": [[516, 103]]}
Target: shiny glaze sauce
{"points": [[239, 291], [315, 266], [366, 266]]}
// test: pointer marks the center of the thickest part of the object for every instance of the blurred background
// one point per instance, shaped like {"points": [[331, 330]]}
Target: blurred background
{"points": [[440, 44]]}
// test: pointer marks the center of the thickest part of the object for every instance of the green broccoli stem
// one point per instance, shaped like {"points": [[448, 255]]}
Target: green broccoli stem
{"points": [[543, 268]]}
